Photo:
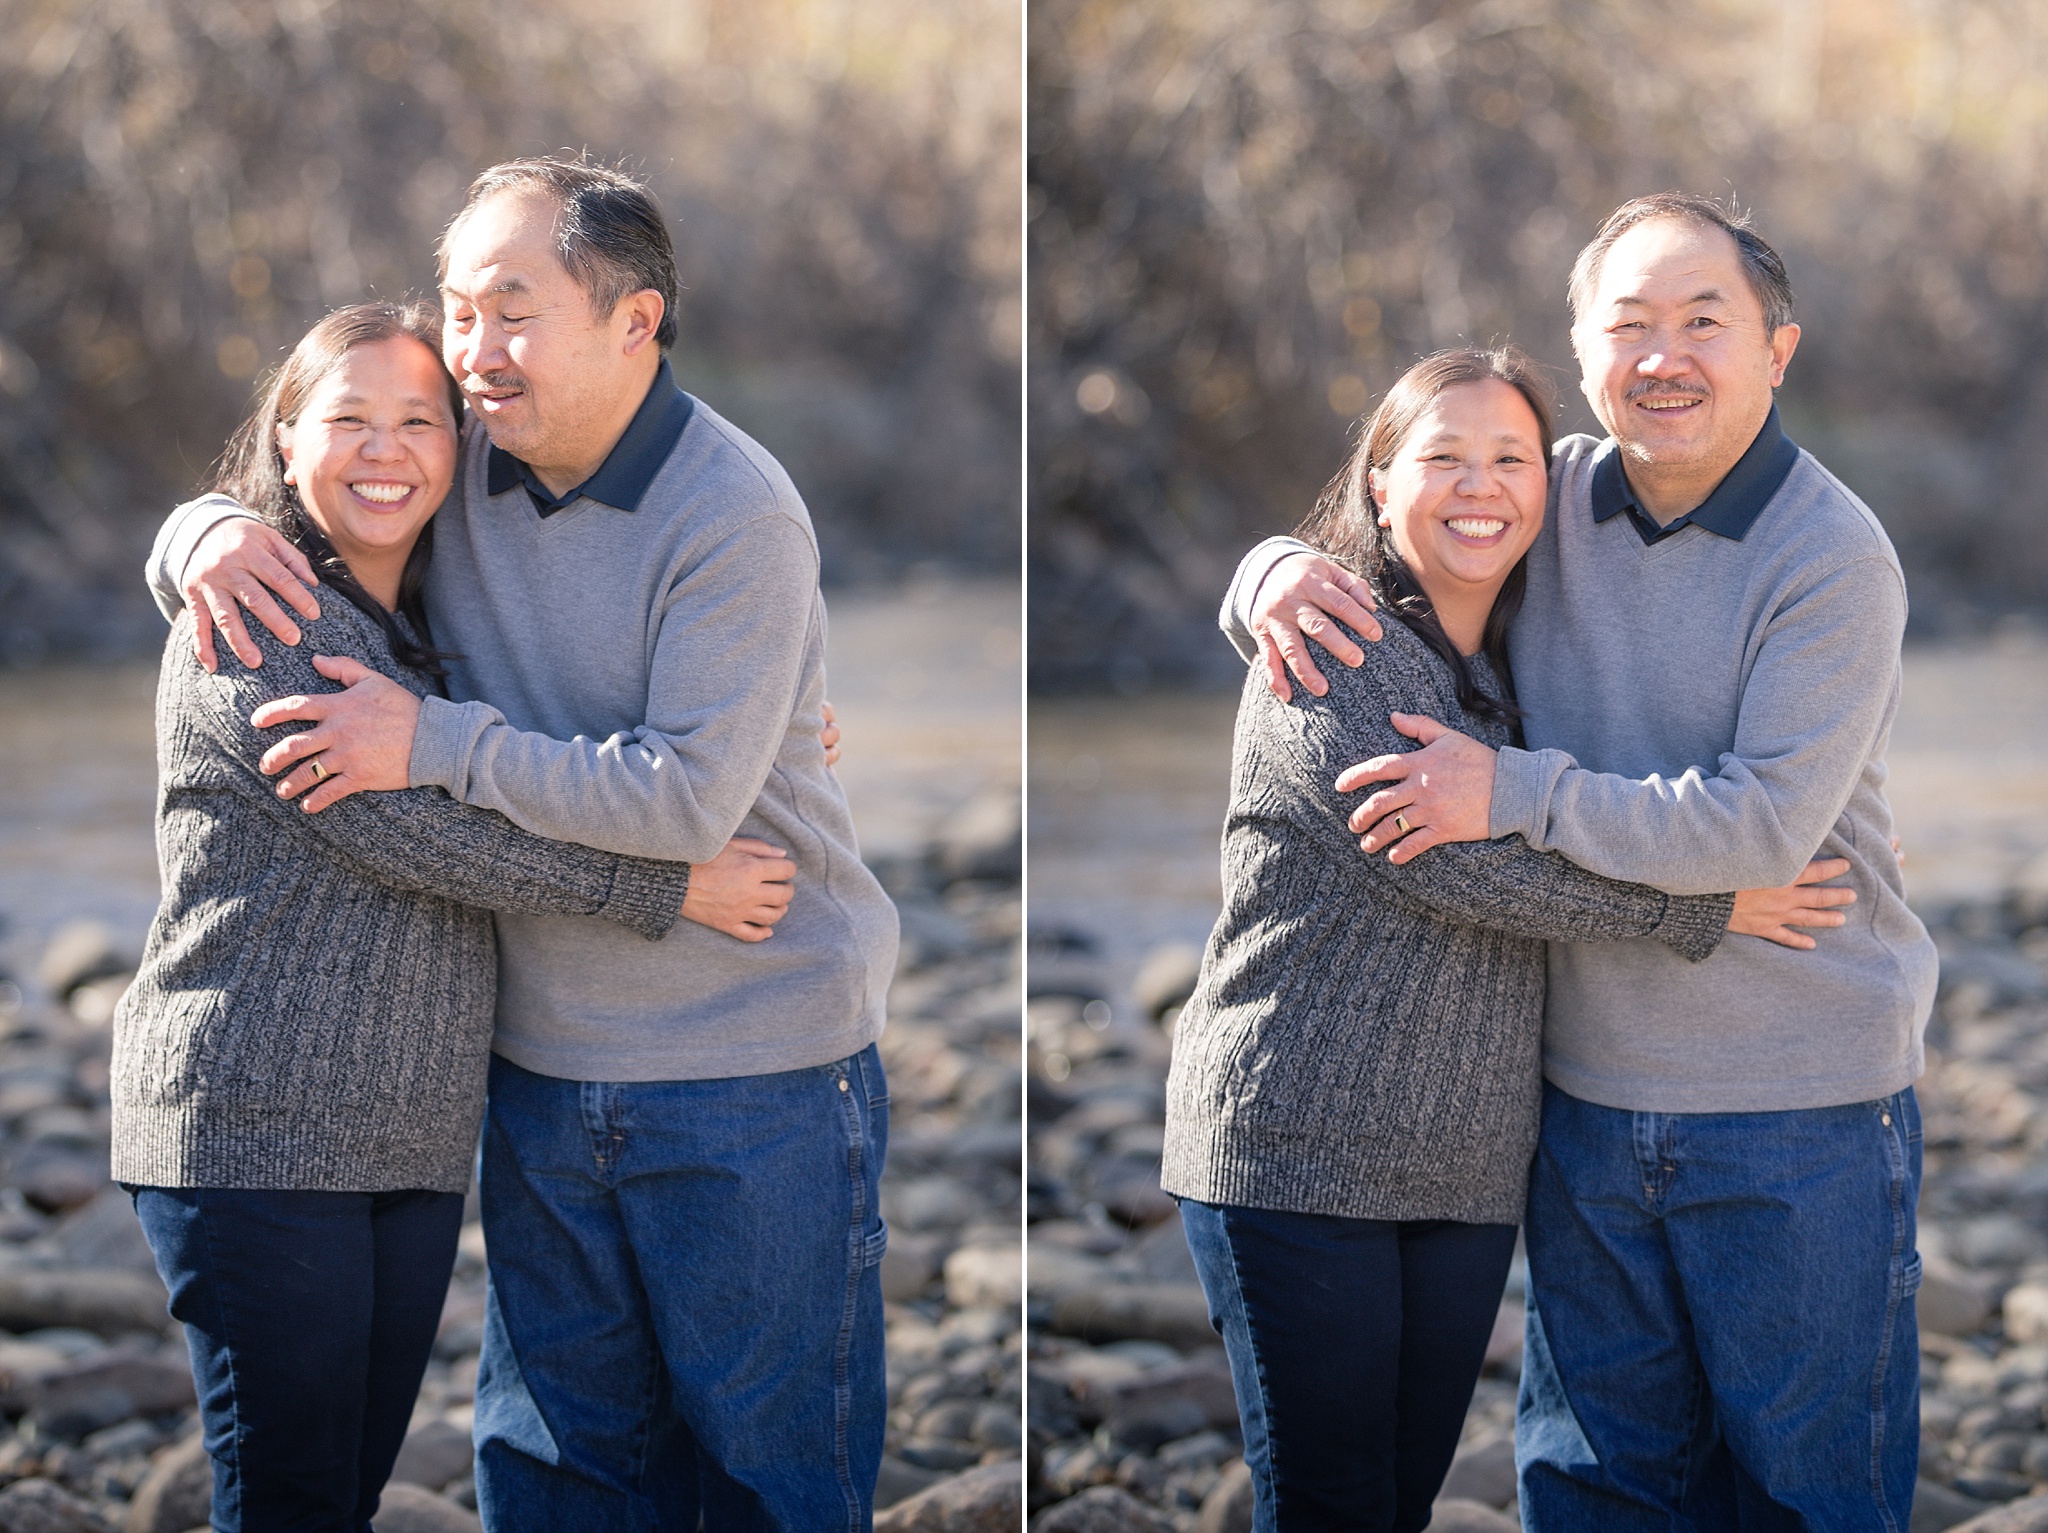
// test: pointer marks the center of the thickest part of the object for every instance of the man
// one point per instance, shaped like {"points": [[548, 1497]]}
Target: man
{"points": [[681, 1153], [1720, 1226]]}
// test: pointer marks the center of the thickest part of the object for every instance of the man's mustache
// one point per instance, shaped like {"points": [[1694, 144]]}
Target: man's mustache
{"points": [[478, 383], [1664, 390]]}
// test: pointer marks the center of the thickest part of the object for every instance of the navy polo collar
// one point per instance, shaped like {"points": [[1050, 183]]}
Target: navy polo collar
{"points": [[1738, 500], [621, 481]]}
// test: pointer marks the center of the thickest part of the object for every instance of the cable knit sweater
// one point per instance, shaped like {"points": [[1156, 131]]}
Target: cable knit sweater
{"points": [[1364, 1037], [315, 1003]]}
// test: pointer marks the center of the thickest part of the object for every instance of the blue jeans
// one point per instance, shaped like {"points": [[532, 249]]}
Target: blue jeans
{"points": [[310, 1317], [685, 1308], [1354, 1345], [1721, 1330]]}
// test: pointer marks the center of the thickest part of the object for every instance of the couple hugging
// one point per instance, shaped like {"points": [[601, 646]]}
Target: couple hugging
{"points": [[570, 742], [1551, 970]]}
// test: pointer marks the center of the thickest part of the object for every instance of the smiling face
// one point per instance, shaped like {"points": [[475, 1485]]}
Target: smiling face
{"points": [[1675, 358], [372, 452], [554, 382], [1462, 498]]}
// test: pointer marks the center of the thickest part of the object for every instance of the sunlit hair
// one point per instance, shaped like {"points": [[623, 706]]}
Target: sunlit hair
{"points": [[252, 469], [1761, 265], [1345, 523], [609, 232]]}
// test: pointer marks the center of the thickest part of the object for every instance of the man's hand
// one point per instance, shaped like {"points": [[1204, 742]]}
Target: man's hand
{"points": [[1297, 602], [1772, 913], [743, 891], [829, 735], [364, 738], [1444, 792], [238, 564]]}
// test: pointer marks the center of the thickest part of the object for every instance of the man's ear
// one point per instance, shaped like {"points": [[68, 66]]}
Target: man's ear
{"points": [[637, 318]]}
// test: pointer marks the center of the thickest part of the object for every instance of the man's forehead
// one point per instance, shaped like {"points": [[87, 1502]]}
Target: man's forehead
{"points": [[504, 240], [1674, 261]]}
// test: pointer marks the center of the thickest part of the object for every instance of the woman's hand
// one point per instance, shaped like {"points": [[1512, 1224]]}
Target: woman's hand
{"points": [[829, 735], [743, 891], [1772, 913]]}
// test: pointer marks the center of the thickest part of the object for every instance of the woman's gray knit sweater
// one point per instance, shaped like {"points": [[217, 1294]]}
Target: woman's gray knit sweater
{"points": [[1363, 1040], [315, 1002]]}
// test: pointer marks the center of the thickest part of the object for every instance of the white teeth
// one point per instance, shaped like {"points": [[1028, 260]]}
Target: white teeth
{"points": [[1475, 526], [1668, 404], [383, 494]]}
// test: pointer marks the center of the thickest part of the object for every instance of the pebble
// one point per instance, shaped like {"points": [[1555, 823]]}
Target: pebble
{"points": [[98, 1386]]}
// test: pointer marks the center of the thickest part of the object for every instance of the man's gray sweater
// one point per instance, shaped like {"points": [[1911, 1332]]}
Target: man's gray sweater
{"points": [[1707, 713], [648, 681], [1363, 1038], [314, 1005]]}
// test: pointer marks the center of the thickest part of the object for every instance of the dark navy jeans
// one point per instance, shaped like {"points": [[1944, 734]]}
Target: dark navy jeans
{"points": [[1354, 1345], [310, 1317], [685, 1311], [1721, 1329]]}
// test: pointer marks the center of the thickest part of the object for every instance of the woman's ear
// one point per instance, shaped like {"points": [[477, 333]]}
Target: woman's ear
{"points": [[1378, 492], [284, 449]]}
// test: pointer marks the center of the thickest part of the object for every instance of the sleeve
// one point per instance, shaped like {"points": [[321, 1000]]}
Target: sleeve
{"points": [[728, 660], [1502, 884], [172, 550], [1825, 679], [419, 839], [1235, 618]]}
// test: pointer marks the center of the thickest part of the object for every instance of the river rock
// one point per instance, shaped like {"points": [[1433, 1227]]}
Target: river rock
{"points": [[435, 1454], [1174, 1313], [42, 1506], [1483, 1471], [1228, 1508], [412, 1509], [991, 1275], [1101, 1509], [989, 1499], [106, 1301], [80, 951], [108, 1388], [899, 1481], [1936, 1507], [2028, 1516], [2025, 1311], [1452, 1515], [177, 1493], [1953, 1302], [1166, 978], [984, 838]]}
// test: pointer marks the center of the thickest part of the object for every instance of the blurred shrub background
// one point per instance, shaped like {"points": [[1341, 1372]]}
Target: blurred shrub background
{"points": [[185, 185], [1247, 216]]}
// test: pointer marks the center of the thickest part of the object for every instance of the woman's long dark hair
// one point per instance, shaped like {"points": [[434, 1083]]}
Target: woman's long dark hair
{"points": [[252, 469], [1344, 524]]}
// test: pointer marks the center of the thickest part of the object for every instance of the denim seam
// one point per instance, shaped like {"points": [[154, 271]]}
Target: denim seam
{"points": [[234, 1445], [842, 1350], [1251, 1341], [1893, 1136]]}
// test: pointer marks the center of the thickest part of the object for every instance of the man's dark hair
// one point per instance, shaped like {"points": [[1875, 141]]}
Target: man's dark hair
{"points": [[1762, 265], [609, 232]]}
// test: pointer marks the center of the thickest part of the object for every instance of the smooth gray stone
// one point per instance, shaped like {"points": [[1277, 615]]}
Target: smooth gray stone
{"points": [[1484, 1472], [1228, 1508], [987, 1499], [435, 1454], [177, 1493], [412, 1509], [1102, 1509]]}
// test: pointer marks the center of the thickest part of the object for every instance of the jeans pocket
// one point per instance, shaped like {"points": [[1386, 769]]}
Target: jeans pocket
{"points": [[1909, 1276], [876, 1245]]}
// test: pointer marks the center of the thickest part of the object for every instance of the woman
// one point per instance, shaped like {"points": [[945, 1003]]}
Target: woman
{"points": [[1353, 1100], [299, 1067]]}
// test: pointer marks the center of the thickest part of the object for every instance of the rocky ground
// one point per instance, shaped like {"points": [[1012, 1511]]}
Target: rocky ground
{"points": [[99, 1432], [1132, 1424]]}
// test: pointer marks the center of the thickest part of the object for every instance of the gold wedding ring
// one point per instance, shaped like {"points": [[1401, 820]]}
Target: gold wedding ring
{"points": [[1401, 823], [319, 770]]}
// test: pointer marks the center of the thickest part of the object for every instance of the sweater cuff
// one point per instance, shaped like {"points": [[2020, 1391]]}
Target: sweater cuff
{"points": [[647, 896], [1235, 619], [175, 541], [1694, 924], [1520, 784], [441, 743]]}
